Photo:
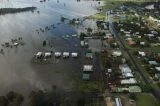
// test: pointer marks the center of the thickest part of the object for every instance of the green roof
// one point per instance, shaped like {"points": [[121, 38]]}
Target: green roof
{"points": [[86, 76], [89, 55], [153, 63]]}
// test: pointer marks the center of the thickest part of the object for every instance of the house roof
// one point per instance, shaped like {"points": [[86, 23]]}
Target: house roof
{"points": [[86, 76], [152, 62], [88, 68], [157, 68], [141, 53], [127, 75], [131, 42], [134, 89], [125, 68], [129, 81]]}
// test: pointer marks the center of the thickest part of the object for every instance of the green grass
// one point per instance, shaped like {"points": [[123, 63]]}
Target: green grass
{"points": [[88, 86], [146, 100], [100, 16]]}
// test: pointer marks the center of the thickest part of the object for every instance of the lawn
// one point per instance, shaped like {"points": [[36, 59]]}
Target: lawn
{"points": [[146, 100]]}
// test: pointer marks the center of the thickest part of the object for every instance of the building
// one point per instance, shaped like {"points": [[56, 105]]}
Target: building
{"points": [[47, 55], [86, 76], [118, 102], [157, 76], [57, 54], [87, 68], [116, 53], [74, 55], [128, 81], [65, 54]]}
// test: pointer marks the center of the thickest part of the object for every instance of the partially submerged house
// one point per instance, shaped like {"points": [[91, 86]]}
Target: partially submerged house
{"points": [[87, 68], [65, 54]]}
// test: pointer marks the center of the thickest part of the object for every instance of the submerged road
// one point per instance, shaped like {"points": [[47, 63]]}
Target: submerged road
{"points": [[155, 91]]}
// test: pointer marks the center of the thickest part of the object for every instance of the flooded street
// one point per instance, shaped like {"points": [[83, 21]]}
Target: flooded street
{"points": [[16, 70]]}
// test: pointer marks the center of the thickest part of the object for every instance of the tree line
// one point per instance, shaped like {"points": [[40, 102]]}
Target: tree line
{"points": [[4, 11]]}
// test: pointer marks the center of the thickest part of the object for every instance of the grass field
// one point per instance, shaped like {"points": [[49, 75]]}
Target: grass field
{"points": [[146, 100]]}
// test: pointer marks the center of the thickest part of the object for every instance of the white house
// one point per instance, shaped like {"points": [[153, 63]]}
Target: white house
{"points": [[87, 68], [39, 55], [65, 54], [116, 53], [47, 54], [57, 54], [129, 81], [74, 54], [141, 53]]}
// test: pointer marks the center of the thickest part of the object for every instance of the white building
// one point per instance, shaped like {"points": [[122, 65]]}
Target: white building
{"points": [[74, 55], [129, 81], [57, 54], [87, 68], [65, 54]]}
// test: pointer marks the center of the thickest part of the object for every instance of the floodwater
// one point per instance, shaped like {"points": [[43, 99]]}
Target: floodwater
{"points": [[16, 70]]}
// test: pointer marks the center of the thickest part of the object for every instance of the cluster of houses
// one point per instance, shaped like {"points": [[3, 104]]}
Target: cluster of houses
{"points": [[139, 34], [88, 67], [48, 55], [121, 78], [13, 43], [152, 60]]}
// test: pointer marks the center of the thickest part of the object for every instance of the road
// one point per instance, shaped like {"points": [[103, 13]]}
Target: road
{"points": [[155, 92]]}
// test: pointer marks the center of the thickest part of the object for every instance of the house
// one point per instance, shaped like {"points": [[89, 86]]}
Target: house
{"points": [[142, 43], [128, 81], [116, 53], [127, 75], [152, 62], [89, 55], [87, 68], [157, 76], [84, 43], [150, 35], [39, 55], [118, 102], [65, 54], [126, 71], [134, 89], [47, 55], [125, 68], [157, 69], [141, 53], [15, 44], [74, 55], [57, 54], [131, 42], [86, 76]]}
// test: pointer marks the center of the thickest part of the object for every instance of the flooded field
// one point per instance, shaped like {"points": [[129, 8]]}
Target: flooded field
{"points": [[16, 70]]}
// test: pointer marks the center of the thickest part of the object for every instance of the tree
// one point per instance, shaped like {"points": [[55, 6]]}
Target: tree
{"points": [[3, 101], [44, 43]]}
